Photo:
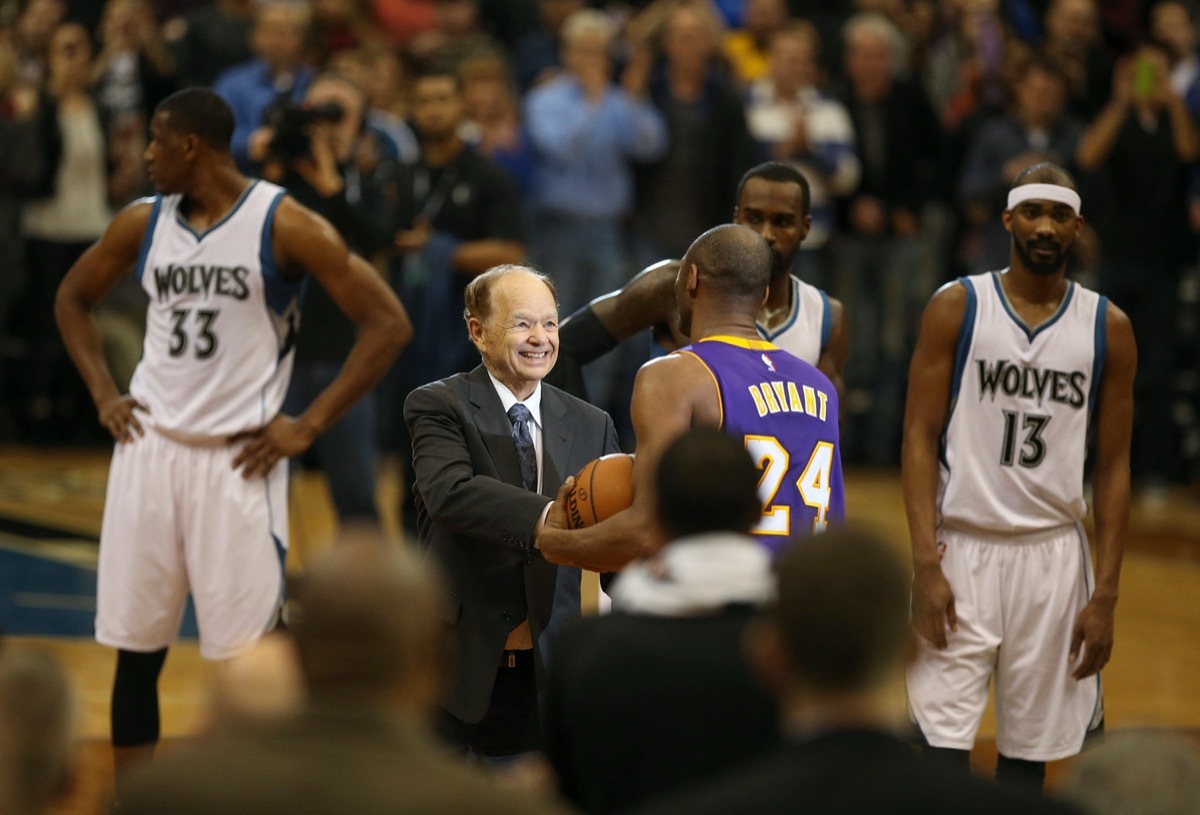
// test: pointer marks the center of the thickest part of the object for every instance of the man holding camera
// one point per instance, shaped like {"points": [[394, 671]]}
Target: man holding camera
{"points": [[313, 153], [277, 75]]}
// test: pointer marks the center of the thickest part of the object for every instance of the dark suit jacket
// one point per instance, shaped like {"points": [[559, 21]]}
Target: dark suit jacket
{"points": [[478, 522], [849, 772], [640, 705], [326, 761]]}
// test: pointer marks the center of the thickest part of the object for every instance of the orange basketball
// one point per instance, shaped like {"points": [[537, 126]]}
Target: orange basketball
{"points": [[602, 488]]}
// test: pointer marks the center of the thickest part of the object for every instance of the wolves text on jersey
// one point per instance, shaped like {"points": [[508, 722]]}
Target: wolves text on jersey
{"points": [[1062, 387], [225, 281]]}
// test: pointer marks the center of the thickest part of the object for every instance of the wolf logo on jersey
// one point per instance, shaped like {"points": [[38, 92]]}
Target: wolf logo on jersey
{"points": [[786, 411]]}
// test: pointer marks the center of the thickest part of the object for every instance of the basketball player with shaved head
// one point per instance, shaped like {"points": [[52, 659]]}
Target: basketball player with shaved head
{"points": [[773, 200], [197, 495], [1011, 370], [783, 409]]}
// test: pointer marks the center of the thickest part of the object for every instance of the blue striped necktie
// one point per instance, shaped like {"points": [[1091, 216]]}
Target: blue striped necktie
{"points": [[521, 420]]}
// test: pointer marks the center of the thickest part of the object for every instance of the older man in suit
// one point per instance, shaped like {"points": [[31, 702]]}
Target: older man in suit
{"points": [[490, 450]]}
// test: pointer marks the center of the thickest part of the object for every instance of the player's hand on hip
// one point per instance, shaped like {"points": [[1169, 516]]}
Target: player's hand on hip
{"points": [[282, 438], [1093, 636], [117, 416], [933, 605]]}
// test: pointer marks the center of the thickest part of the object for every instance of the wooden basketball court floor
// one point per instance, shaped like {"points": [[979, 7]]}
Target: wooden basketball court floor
{"points": [[50, 509]]}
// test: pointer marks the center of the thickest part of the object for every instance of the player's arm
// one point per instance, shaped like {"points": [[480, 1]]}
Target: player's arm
{"points": [[833, 356], [305, 241], [929, 381], [665, 397], [598, 327], [85, 286], [1093, 631]]}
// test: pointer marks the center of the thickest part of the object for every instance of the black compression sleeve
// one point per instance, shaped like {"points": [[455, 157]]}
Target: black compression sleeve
{"points": [[584, 338]]}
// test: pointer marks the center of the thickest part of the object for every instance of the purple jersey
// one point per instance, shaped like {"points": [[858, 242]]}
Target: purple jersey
{"points": [[786, 412]]}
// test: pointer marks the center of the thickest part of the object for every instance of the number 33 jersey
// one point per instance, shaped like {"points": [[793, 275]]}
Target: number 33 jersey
{"points": [[221, 323], [1020, 402], [785, 411]]}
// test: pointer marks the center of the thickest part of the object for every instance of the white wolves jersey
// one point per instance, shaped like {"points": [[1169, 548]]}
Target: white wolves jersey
{"points": [[805, 332], [1020, 403], [221, 323]]}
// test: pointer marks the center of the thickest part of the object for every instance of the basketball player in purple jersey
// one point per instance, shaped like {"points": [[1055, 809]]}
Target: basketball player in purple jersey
{"points": [[785, 410]]}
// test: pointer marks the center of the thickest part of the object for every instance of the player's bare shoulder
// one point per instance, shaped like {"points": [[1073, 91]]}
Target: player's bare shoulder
{"points": [[944, 314], [303, 240]]}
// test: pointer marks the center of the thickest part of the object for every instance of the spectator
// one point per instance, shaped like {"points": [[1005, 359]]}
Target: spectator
{"points": [[1143, 143], [585, 134], [494, 117], [793, 120], [831, 650], [748, 49], [1137, 774], [1073, 43], [1171, 24], [70, 213], [377, 69], [211, 39], [538, 56], [31, 33], [883, 278], [133, 72], [324, 177], [656, 697], [402, 20], [455, 35], [275, 78], [338, 25], [456, 214], [1038, 129], [38, 747], [687, 190], [370, 650]]}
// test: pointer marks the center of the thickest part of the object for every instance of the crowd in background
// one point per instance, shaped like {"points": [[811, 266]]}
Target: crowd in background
{"points": [[604, 137]]}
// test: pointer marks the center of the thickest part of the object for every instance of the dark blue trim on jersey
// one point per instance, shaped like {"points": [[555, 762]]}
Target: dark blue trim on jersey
{"points": [[1100, 350], [1031, 334], [965, 332], [199, 236], [279, 293], [147, 239], [826, 320], [769, 335]]}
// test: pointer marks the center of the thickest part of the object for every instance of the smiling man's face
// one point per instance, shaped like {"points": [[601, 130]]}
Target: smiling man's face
{"points": [[519, 338]]}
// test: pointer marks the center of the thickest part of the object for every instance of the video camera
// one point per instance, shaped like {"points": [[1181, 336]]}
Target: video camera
{"points": [[291, 122]]}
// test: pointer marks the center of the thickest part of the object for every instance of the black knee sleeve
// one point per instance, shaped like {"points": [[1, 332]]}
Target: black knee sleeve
{"points": [[1016, 772], [135, 698], [952, 759]]}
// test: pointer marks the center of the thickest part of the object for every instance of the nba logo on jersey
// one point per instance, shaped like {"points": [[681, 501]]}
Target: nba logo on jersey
{"points": [[767, 361]]}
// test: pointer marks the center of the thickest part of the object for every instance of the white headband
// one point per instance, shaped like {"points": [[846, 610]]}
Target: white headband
{"points": [[1045, 192]]}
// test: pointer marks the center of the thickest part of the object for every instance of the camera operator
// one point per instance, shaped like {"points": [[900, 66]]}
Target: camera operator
{"points": [[315, 153]]}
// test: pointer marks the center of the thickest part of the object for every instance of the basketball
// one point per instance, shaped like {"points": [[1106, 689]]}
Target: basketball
{"points": [[602, 488]]}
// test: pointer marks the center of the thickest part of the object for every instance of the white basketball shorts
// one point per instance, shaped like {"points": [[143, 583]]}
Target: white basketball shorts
{"points": [[179, 517], [1017, 598]]}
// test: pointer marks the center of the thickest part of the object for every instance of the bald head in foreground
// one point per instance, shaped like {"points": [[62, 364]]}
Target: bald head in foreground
{"points": [[370, 645], [833, 651]]}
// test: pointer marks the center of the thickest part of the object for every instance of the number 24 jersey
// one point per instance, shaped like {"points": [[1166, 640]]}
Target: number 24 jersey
{"points": [[786, 413]]}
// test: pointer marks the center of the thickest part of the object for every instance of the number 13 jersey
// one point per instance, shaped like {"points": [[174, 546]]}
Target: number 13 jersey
{"points": [[1013, 450], [221, 323]]}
